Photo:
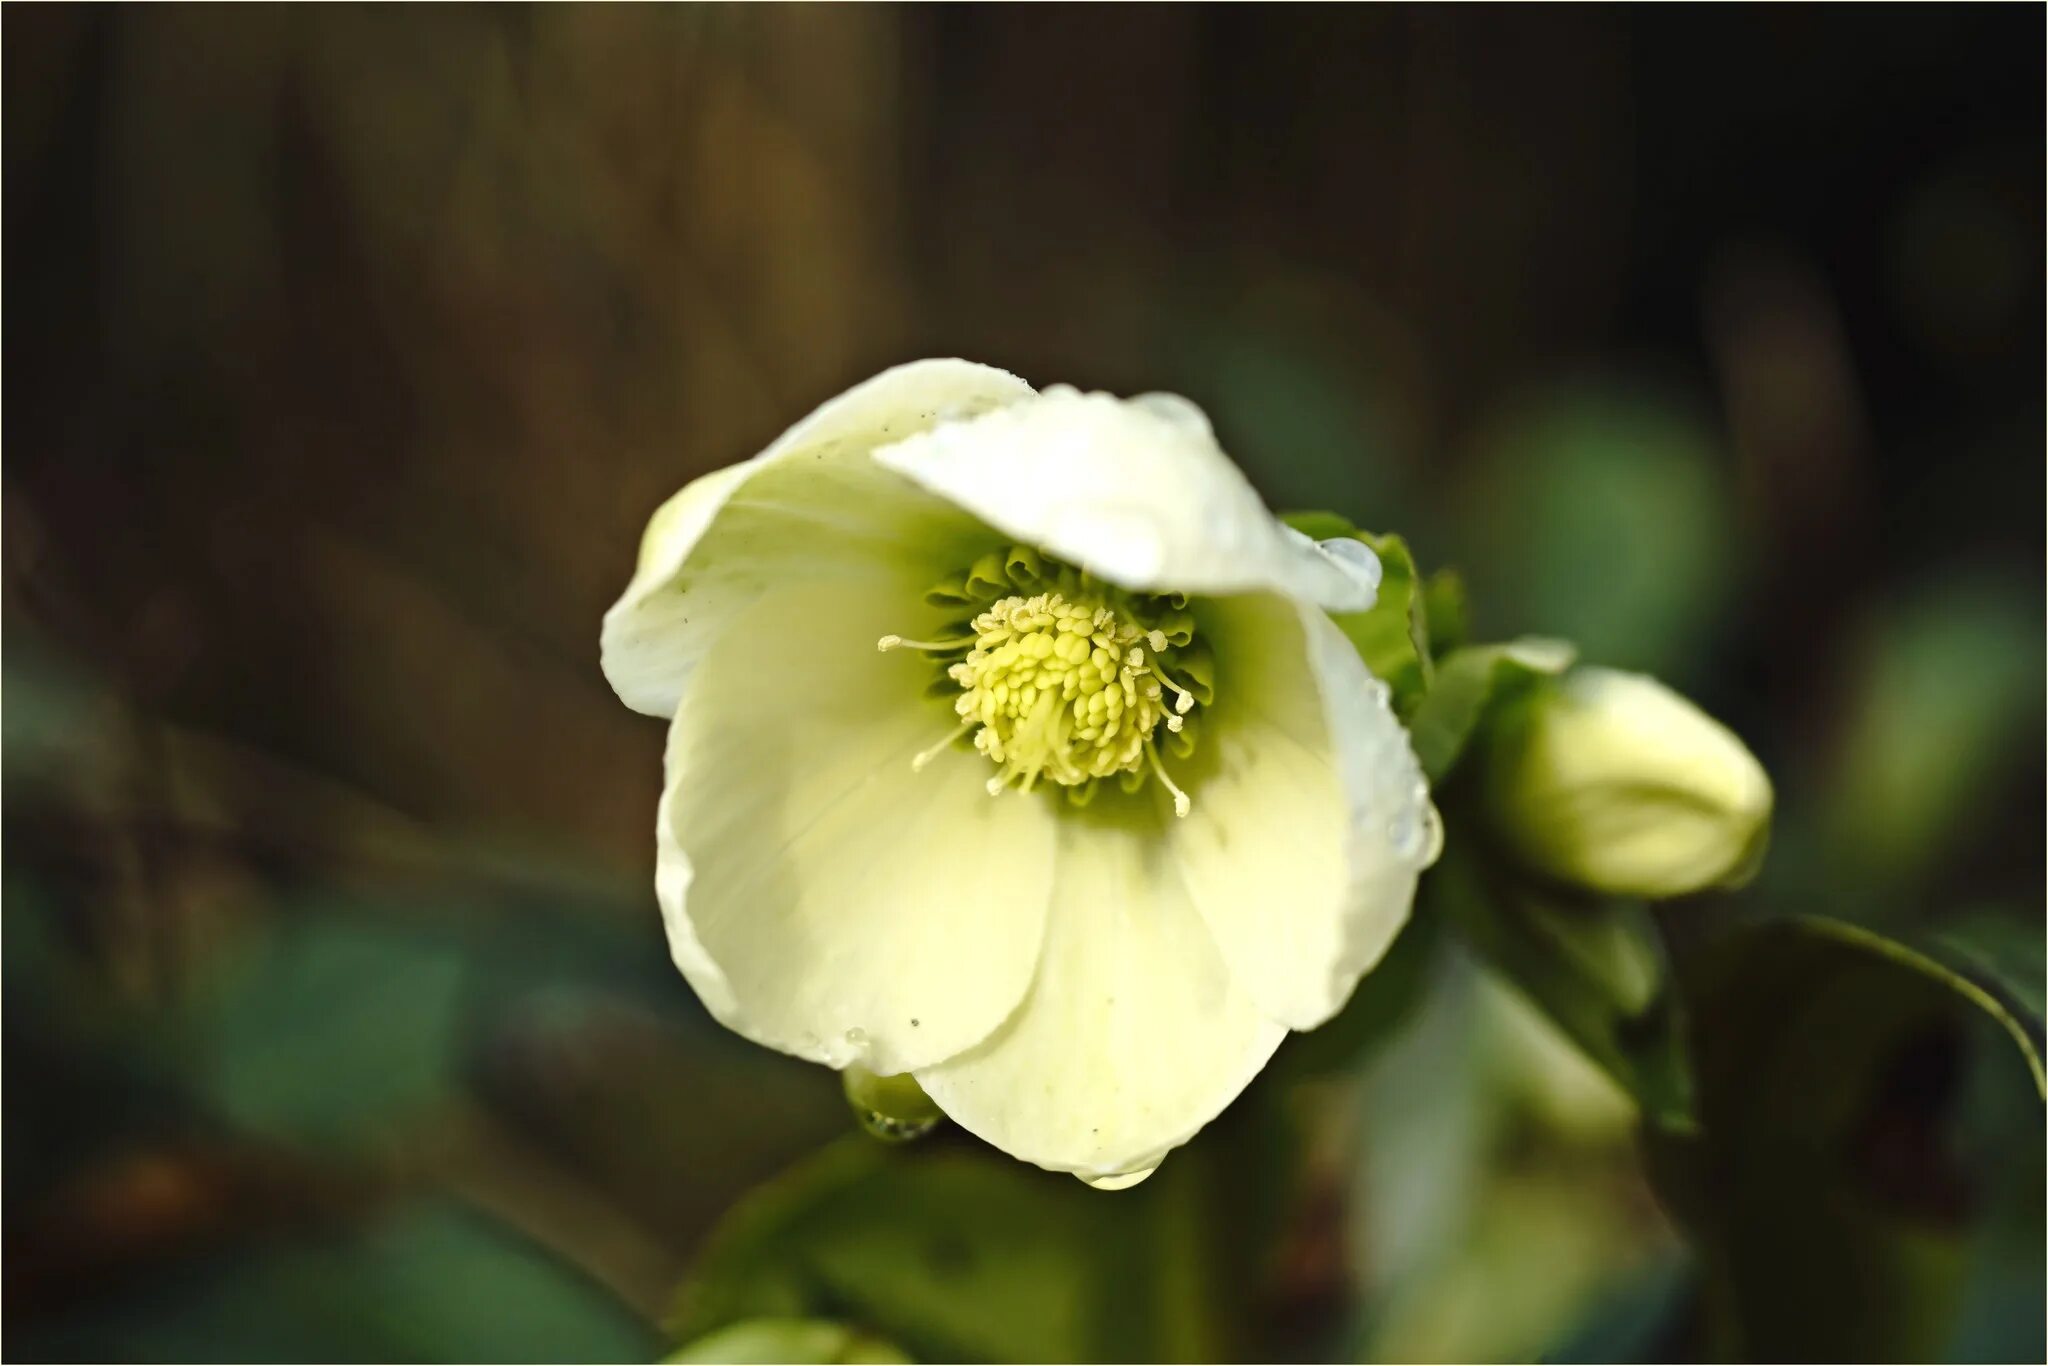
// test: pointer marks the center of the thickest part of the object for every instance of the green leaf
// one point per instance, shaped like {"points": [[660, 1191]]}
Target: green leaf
{"points": [[1845, 1157], [1469, 682], [953, 1254], [1392, 636], [1595, 968], [792, 1340], [1320, 526], [1445, 612], [1994, 971], [2004, 952]]}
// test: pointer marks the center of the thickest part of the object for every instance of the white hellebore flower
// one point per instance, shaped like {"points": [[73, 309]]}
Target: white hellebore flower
{"points": [[1613, 782], [1112, 808]]}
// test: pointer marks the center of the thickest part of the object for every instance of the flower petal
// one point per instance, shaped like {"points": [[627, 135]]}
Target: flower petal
{"points": [[811, 504], [1136, 491], [824, 898], [1134, 1034], [1311, 820]]}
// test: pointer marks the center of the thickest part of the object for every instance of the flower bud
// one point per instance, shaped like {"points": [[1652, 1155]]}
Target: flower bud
{"points": [[1613, 782]]}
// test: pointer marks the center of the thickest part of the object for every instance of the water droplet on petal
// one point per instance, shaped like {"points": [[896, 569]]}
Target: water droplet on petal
{"points": [[1404, 832], [894, 1109], [857, 1037], [1120, 1181], [891, 1129], [1354, 553], [1417, 832], [1359, 565]]}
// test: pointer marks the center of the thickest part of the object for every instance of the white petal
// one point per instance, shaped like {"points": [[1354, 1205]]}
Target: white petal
{"points": [[822, 897], [1137, 492], [811, 504], [1134, 1034], [1311, 820]]}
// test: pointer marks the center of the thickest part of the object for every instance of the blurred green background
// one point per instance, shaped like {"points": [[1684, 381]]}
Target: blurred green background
{"points": [[347, 351]]}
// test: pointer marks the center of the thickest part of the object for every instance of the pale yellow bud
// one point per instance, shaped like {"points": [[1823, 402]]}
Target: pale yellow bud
{"points": [[1613, 782]]}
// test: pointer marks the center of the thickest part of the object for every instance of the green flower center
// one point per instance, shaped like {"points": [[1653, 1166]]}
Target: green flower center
{"points": [[1061, 677]]}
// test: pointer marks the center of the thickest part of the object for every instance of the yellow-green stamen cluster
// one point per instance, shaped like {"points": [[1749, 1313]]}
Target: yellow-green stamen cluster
{"points": [[1064, 678]]}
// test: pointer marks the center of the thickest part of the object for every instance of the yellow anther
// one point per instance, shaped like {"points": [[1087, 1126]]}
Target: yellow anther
{"points": [[1064, 680], [924, 757], [1181, 804], [1183, 700]]}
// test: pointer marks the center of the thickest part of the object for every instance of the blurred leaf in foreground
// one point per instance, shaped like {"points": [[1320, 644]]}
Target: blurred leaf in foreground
{"points": [[1593, 967], [790, 1340], [1500, 1208], [957, 1255]]}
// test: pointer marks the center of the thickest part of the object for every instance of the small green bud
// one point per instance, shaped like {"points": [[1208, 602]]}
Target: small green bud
{"points": [[1613, 782], [894, 1109]]}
